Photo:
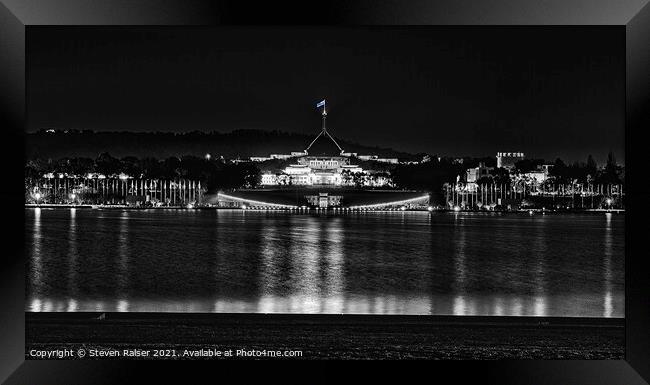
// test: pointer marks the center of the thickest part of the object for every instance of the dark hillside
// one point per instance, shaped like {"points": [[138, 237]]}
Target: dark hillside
{"points": [[240, 143]]}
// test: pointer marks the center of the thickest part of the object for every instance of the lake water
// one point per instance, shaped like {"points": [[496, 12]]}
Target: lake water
{"points": [[228, 261]]}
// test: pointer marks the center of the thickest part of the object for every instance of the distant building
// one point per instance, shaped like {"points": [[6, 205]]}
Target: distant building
{"points": [[540, 175], [323, 200], [324, 163], [95, 175], [269, 179], [387, 160], [376, 158], [368, 157], [545, 167], [378, 180], [537, 177], [322, 169], [259, 158], [508, 160], [281, 156], [474, 174]]}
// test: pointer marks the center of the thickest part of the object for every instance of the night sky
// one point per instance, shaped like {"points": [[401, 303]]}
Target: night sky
{"points": [[549, 92]]}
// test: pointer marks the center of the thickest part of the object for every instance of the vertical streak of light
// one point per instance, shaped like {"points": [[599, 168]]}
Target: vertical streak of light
{"points": [[311, 279], [124, 261], [36, 262], [230, 243], [539, 307], [269, 271], [72, 255], [517, 306], [460, 306], [498, 306], [72, 305], [36, 305], [305, 256], [218, 241], [608, 309], [334, 281]]}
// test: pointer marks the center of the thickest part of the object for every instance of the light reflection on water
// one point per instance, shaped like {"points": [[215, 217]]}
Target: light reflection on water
{"points": [[460, 305], [371, 263], [391, 304], [36, 269], [539, 254], [607, 267], [72, 255], [123, 257]]}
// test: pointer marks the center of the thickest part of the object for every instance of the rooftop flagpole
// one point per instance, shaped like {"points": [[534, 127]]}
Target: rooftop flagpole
{"points": [[324, 115], [324, 129]]}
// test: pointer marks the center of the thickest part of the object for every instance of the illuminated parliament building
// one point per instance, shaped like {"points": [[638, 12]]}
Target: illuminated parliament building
{"points": [[324, 163]]}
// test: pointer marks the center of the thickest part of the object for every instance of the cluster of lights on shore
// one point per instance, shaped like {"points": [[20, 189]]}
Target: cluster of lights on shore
{"points": [[38, 196], [334, 209], [258, 205]]}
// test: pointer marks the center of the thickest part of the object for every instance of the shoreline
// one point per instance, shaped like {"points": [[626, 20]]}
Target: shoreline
{"points": [[317, 210], [335, 336], [332, 318]]}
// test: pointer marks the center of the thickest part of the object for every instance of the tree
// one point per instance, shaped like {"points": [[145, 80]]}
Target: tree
{"points": [[528, 165], [501, 176], [485, 180], [559, 171], [346, 177], [172, 168], [194, 167], [151, 168], [107, 165], [611, 172], [252, 177], [35, 169], [82, 166], [63, 166], [592, 167], [359, 179], [427, 176], [131, 166]]}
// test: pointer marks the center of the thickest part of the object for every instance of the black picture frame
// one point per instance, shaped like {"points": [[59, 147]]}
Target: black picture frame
{"points": [[634, 16]]}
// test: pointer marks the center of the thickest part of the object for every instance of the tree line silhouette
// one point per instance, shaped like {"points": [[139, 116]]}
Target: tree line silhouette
{"points": [[433, 175], [215, 173], [220, 173]]}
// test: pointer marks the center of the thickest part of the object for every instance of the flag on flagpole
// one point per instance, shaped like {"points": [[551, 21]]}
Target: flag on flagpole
{"points": [[321, 103]]}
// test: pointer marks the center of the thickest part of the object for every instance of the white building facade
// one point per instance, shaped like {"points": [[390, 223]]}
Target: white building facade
{"points": [[324, 163]]}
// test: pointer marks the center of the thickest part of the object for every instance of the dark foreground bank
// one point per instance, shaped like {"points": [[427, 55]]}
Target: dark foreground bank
{"points": [[328, 336]]}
